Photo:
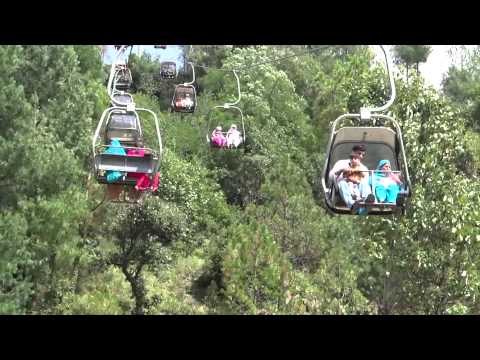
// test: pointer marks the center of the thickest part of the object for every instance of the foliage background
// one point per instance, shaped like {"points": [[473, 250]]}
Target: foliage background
{"points": [[240, 232]]}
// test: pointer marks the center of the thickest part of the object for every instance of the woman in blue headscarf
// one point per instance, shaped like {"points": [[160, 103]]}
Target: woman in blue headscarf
{"points": [[385, 183]]}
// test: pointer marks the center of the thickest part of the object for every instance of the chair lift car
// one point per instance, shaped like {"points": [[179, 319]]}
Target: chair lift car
{"points": [[123, 78], [130, 164], [382, 142], [168, 70], [185, 97], [121, 99], [124, 126], [133, 162], [225, 134], [226, 106], [118, 47], [383, 138], [120, 77]]}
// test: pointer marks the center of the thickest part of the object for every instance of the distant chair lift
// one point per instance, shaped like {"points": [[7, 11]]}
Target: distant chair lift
{"points": [[117, 96], [123, 79], [120, 77], [168, 70], [226, 106], [182, 93], [126, 164], [383, 139], [121, 98]]}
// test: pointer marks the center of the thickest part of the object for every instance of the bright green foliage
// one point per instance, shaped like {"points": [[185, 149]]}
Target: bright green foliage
{"points": [[173, 290], [426, 259], [255, 272], [48, 113], [269, 102], [104, 293], [461, 85], [16, 263], [240, 231], [142, 234], [411, 55]]}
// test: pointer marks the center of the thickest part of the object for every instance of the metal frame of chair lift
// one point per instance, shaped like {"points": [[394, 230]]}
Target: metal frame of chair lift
{"points": [[148, 164], [188, 85], [396, 156], [227, 106], [368, 116], [112, 85]]}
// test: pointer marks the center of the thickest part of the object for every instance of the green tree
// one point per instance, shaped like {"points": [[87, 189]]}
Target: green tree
{"points": [[424, 263], [48, 112], [410, 55]]}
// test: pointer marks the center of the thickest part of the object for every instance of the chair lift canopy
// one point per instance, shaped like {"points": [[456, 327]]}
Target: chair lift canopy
{"points": [[382, 143], [125, 127]]}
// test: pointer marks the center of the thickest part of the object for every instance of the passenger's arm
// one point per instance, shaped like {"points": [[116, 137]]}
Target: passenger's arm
{"points": [[395, 178], [337, 169]]}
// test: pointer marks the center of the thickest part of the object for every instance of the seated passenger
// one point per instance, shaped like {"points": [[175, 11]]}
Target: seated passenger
{"points": [[233, 136], [187, 102], [114, 148], [355, 176], [341, 170], [179, 103], [385, 183], [218, 139]]}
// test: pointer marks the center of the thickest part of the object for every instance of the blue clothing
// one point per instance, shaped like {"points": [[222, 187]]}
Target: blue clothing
{"points": [[346, 194], [384, 193], [114, 148], [387, 194]]}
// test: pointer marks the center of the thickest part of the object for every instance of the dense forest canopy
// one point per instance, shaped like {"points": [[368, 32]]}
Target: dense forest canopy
{"points": [[235, 232]]}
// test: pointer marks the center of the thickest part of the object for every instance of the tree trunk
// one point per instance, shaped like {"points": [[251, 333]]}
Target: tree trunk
{"points": [[138, 290], [52, 288]]}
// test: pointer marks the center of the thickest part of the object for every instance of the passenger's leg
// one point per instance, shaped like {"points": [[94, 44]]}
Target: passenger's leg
{"points": [[364, 188], [392, 192], [345, 193], [238, 141], [381, 193]]}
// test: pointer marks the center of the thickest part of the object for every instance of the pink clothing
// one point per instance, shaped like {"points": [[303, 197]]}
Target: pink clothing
{"points": [[136, 152], [218, 139], [143, 181]]}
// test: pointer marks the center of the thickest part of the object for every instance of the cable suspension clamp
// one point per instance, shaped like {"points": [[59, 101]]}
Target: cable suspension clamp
{"points": [[365, 114]]}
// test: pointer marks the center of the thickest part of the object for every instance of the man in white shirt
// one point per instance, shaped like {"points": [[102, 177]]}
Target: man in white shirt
{"points": [[336, 176]]}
